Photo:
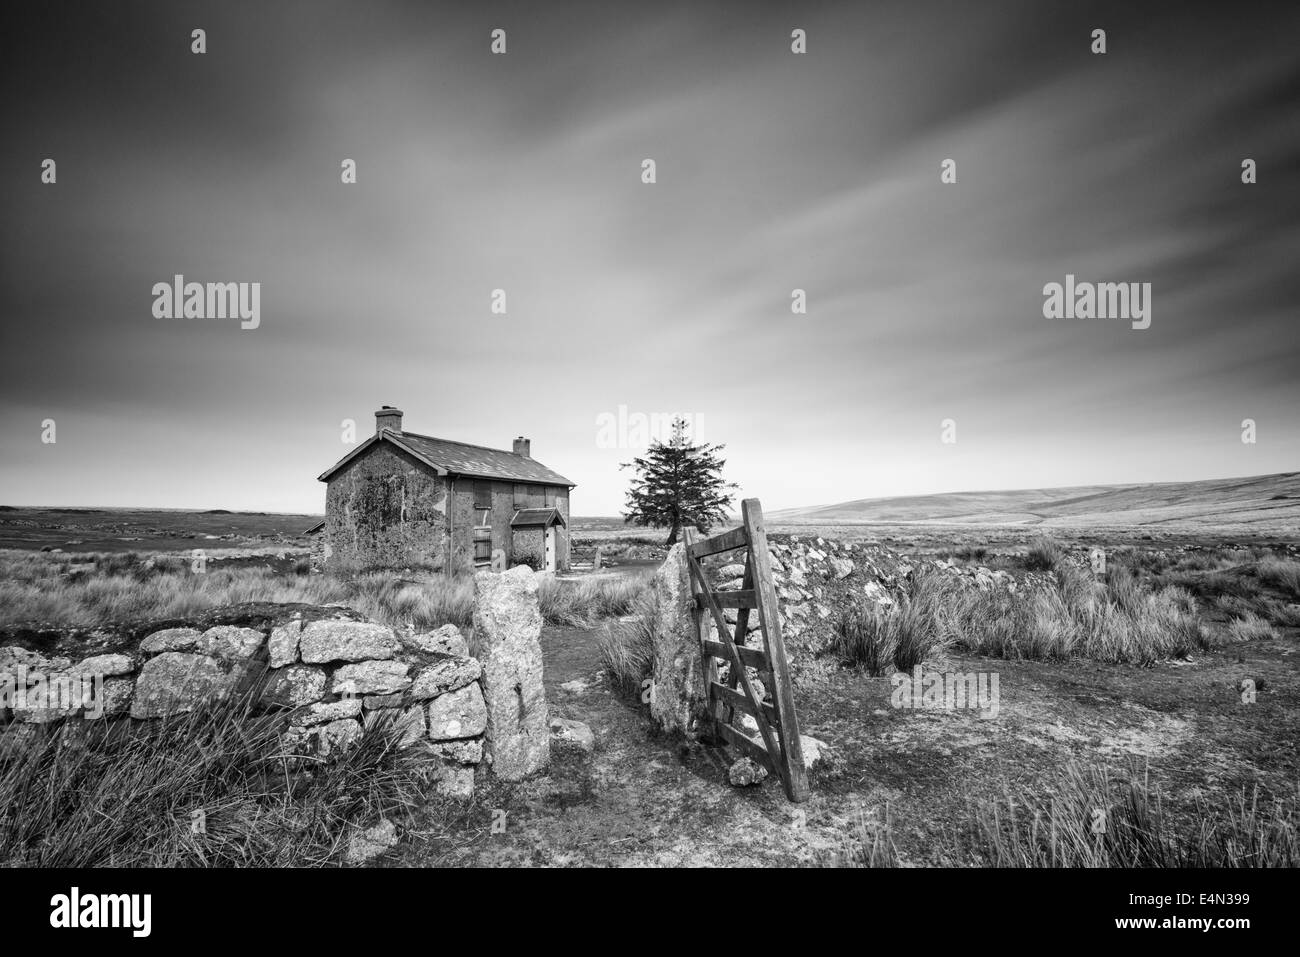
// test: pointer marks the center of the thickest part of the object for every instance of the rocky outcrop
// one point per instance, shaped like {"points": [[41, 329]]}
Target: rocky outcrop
{"points": [[507, 633]]}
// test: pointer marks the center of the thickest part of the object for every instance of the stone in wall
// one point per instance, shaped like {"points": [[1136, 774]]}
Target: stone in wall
{"points": [[294, 686], [371, 677], [221, 641], [507, 642], [324, 641], [326, 711], [283, 646], [323, 740], [176, 681], [459, 714], [446, 640], [448, 674]]}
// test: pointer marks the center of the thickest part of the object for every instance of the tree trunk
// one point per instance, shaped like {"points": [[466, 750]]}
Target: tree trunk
{"points": [[672, 534]]}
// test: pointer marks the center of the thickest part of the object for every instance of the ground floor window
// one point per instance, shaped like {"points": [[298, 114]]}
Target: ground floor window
{"points": [[482, 536]]}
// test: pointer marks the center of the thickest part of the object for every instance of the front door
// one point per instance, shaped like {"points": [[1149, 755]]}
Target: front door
{"points": [[550, 548]]}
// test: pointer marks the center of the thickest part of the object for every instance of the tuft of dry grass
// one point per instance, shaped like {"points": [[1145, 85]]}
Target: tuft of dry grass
{"points": [[1088, 818], [1044, 555], [920, 626], [129, 794], [1116, 620], [626, 647], [1250, 627], [1282, 574], [586, 600], [867, 843]]}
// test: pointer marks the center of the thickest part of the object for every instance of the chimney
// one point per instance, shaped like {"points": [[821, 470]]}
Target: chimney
{"points": [[388, 418], [523, 447]]}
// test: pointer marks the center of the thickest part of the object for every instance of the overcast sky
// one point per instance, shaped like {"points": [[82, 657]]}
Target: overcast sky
{"points": [[523, 172]]}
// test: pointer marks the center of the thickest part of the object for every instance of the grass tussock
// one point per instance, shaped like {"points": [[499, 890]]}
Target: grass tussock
{"points": [[1281, 574], [110, 794], [868, 842], [1092, 819], [626, 647], [1044, 555], [1118, 619], [920, 626], [586, 600], [1250, 627]]}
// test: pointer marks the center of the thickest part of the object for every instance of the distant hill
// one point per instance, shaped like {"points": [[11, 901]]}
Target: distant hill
{"points": [[1264, 500]]}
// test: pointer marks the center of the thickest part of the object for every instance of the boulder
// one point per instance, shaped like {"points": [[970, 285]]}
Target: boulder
{"points": [[448, 674], [332, 640], [371, 677], [746, 772], [841, 567], [571, 736], [371, 842], [454, 780], [458, 714], [507, 633], [176, 681]]}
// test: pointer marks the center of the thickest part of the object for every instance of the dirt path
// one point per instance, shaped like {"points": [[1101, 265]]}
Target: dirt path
{"points": [[642, 800]]}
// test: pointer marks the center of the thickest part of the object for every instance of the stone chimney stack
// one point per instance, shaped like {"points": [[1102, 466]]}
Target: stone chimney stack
{"points": [[388, 418], [523, 447]]}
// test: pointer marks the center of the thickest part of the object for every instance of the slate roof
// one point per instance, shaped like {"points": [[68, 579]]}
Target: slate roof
{"points": [[536, 516], [461, 458]]}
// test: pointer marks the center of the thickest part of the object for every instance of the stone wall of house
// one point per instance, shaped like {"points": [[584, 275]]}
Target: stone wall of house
{"points": [[385, 510]]}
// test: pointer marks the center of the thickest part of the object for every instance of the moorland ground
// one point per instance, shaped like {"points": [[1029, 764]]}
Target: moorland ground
{"points": [[1184, 765]]}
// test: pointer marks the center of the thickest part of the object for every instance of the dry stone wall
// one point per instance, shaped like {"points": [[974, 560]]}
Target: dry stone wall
{"points": [[330, 677]]}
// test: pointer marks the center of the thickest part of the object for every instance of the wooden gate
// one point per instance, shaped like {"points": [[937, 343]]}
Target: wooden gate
{"points": [[778, 726]]}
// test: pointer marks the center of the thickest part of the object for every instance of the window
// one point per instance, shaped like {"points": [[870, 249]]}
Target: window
{"points": [[550, 495], [521, 495], [482, 494]]}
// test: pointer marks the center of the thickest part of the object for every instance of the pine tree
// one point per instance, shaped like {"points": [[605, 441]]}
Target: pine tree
{"points": [[677, 484]]}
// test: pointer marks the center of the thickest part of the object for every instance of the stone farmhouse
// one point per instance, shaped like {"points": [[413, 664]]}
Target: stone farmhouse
{"points": [[404, 500]]}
